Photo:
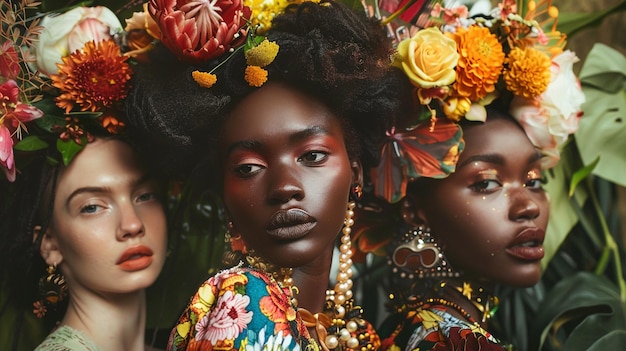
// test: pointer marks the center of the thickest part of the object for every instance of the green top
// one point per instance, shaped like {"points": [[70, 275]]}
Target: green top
{"points": [[65, 338]]}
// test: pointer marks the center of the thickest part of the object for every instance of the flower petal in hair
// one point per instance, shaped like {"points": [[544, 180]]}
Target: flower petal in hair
{"points": [[431, 149]]}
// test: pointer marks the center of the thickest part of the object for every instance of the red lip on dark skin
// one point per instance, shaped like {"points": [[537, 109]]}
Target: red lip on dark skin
{"points": [[527, 245], [290, 224], [135, 258]]}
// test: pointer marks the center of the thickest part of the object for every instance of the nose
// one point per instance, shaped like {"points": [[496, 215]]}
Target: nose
{"points": [[285, 185], [523, 207], [130, 224]]}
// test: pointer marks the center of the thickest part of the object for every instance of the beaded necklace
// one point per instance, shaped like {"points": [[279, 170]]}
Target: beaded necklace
{"points": [[340, 327]]}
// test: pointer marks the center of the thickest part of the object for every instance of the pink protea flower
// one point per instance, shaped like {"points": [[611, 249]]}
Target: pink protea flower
{"points": [[199, 30], [13, 114]]}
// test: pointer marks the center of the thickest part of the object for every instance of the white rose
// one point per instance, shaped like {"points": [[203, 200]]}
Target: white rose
{"points": [[563, 97], [65, 33]]}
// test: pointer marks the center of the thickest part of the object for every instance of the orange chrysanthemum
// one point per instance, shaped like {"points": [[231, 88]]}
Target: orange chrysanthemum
{"points": [[480, 62], [255, 76], [527, 73], [93, 78]]}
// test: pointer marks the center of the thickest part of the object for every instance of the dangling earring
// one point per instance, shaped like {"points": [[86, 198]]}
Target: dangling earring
{"points": [[356, 191], [52, 288], [236, 246], [418, 255]]}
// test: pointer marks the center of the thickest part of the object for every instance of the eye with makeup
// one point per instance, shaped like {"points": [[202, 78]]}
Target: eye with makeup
{"points": [[485, 182], [313, 158], [534, 180]]}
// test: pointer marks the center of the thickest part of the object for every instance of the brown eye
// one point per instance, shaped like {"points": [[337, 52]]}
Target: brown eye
{"points": [[247, 170], [485, 186], [313, 157]]}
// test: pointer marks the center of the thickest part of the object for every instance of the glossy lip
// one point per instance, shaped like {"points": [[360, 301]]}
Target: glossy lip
{"points": [[135, 258], [527, 245], [290, 224]]}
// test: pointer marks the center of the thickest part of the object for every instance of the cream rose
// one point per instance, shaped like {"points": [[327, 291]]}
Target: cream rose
{"points": [[65, 33], [564, 97], [535, 121], [428, 58]]}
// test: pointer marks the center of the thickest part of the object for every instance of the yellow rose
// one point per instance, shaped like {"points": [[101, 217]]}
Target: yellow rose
{"points": [[428, 58]]}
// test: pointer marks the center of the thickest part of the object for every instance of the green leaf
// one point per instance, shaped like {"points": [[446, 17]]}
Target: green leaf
{"points": [[31, 143], [581, 175], [572, 23], [588, 304], [50, 122], [69, 149]]}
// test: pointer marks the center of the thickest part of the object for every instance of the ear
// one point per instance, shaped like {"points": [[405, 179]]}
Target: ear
{"points": [[412, 211], [49, 248], [357, 172]]}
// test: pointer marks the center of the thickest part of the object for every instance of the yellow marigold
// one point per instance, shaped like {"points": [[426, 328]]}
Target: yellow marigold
{"points": [[255, 76], [204, 79], [480, 62], [527, 73], [262, 54]]}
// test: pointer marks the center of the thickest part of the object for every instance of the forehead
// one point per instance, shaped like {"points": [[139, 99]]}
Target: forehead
{"points": [[274, 109], [495, 136], [103, 160]]}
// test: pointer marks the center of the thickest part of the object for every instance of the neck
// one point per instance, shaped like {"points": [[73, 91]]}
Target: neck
{"points": [[113, 322]]}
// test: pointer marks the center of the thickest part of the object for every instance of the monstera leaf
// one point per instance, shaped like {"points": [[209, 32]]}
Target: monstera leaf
{"points": [[602, 129], [582, 312]]}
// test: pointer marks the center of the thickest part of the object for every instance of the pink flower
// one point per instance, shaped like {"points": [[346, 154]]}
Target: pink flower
{"points": [[64, 34], [12, 114], [228, 318], [9, 61], [199, 30], [6, 153], [535, 121]]}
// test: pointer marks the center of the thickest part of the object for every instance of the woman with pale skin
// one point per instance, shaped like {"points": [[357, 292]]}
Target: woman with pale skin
{"points": [[106, 235]]}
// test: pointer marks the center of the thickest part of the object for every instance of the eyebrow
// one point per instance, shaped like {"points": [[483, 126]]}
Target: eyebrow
{"points": [[300, 135], [103, 189], [497, 159]]}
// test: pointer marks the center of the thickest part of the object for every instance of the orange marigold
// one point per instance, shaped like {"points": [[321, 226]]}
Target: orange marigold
{"points": [[255, 76], [204, 79], [527, 73], [480, 62], [93, 78]]}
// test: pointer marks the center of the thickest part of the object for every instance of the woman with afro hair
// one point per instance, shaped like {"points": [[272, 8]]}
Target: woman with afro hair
{"points": [[287, 160]]}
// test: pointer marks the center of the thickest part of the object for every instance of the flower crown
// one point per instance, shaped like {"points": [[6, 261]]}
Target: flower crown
{"points": [[63, 77], [458, 65], [61, 80]]}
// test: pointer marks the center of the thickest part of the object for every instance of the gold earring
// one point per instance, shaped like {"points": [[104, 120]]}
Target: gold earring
{"points": [[52, 289]]}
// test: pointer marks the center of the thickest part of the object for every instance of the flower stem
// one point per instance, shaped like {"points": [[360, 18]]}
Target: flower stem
{"points": [[610, 248], [398, 12]]}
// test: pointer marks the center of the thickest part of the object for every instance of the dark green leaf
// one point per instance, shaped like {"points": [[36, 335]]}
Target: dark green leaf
{"points": [[69, 149], [591, 301], [581, 175], [572, 23], [50, 122], [31, 143]]}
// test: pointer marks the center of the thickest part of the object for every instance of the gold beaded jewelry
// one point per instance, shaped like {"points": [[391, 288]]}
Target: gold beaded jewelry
{"points": [[340, 327]]}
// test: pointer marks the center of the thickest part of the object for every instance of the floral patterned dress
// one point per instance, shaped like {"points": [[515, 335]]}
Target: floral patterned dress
{"points": [[240, 309], [434, 329]]}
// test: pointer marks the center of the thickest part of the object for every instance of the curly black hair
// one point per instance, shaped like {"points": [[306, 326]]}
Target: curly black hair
{"points": [[327, 50]]}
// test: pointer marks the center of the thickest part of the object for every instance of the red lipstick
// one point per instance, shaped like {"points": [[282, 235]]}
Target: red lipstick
{"points": [[135, 258], [527, 245]]}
